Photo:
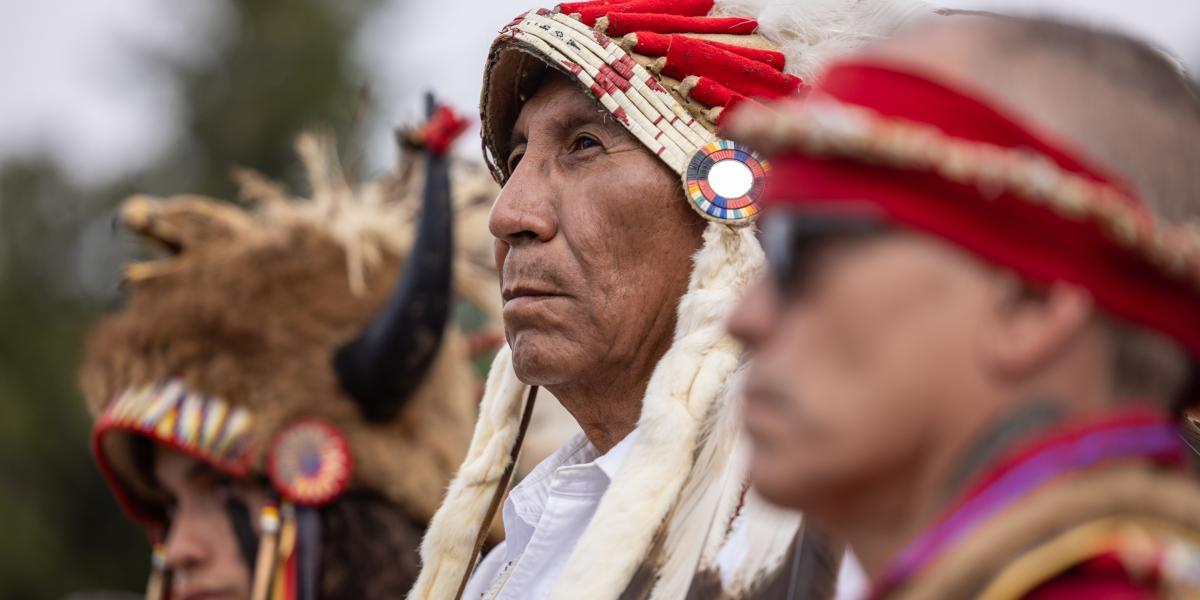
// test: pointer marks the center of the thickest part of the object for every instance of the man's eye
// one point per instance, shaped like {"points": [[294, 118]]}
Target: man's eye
{"points": [[584, 142]]}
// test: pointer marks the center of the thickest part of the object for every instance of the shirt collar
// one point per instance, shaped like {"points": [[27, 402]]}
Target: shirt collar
{"points": [[527, 500], [610, 462]]}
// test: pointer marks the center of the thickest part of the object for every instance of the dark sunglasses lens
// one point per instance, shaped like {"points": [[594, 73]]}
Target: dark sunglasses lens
{"points": [[791, 243]]}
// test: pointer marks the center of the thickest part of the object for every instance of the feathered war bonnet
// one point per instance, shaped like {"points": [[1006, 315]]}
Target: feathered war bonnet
{"points": [[304, 343], [668, 70]]}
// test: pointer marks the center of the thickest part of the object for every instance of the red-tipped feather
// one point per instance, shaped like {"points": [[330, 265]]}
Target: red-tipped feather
{"points": [[590, 11], [688, 56], [709, 92], [623, 23], [657, 44]]}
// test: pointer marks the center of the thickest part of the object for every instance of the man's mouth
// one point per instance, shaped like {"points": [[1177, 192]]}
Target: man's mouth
{"points": [[762, 406], [522, 294]]}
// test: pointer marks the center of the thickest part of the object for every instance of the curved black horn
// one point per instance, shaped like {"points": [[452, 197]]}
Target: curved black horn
{"points": [[383, 366]]}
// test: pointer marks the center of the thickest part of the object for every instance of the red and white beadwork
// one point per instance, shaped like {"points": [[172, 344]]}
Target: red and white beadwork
{"points": [[310, 463], [576, 38], [726, 194]]}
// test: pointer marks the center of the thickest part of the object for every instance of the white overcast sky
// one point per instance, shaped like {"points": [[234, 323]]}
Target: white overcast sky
{"points": [[74, 85]]}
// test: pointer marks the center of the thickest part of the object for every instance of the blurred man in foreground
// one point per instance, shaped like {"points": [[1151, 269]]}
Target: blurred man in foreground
{"points": [[975, 352], [276, 404]]}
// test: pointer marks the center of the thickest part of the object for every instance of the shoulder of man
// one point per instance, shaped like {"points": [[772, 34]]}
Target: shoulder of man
{"points": [[1126, 527], [1100, 577], [1116, 558]]}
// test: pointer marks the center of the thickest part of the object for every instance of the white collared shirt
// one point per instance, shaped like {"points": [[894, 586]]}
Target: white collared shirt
{"points": [[546, 513], [544, 517]]}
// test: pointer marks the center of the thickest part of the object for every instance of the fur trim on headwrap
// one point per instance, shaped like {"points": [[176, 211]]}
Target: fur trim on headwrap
{"points": [[450, 540], [682, 395]]}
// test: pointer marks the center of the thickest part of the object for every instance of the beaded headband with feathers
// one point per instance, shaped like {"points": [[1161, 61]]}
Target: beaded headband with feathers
{"points": [[669, 70]]}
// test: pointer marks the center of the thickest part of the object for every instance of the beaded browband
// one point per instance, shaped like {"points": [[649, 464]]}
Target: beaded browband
{"points": [[663, 42], [943, 161], [833, 129]]}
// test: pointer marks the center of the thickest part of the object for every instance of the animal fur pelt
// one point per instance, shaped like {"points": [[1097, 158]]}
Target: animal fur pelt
{"points": [[250, 306]]}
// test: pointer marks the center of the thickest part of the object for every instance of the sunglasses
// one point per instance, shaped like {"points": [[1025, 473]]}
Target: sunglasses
{"points": [[793, 242]]}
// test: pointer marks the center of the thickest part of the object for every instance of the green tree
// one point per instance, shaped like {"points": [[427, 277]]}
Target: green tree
{"points": [[285, 66]]}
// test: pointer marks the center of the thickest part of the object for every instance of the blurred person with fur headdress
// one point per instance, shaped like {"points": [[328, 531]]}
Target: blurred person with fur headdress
{"points": [[284, 396]]}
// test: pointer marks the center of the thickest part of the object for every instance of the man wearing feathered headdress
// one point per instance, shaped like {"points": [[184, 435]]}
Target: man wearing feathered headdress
{"points": [[977, 357], [277, 407], [624, 237]]}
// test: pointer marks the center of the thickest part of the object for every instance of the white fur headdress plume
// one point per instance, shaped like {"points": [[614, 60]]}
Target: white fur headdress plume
{"points": [[667, 70], [812, 32]]}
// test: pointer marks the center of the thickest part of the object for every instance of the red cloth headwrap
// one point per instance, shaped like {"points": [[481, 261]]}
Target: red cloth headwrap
{"points": [[1038, 239]]}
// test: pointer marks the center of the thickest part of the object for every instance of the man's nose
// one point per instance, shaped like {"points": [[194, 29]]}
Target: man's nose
{"points": [[524, 210], [751, 320]]}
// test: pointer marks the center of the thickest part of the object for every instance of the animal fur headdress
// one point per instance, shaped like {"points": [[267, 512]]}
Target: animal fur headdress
{"points": [[667, 70], [258, 320]]}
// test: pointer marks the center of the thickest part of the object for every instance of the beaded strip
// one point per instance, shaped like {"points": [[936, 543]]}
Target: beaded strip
{"points": [[835, 129], [634, 96], [171, 414], [624, 87]]}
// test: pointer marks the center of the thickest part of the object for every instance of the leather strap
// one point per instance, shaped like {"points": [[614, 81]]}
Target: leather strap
{"points": [[501, 489]]}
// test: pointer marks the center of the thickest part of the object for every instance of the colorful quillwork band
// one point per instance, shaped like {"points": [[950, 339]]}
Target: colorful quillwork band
{"points": [[700, 190]]}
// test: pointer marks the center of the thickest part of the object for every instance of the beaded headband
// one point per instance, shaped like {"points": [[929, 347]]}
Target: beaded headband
{"points": [[308, 462], [627, 78], [947, 163], [168, 413]]}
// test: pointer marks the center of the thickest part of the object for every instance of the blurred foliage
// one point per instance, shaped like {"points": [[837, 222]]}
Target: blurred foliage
{"points": [[283, 66]]}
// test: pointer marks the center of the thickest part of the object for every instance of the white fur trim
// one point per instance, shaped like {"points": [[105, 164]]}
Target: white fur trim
{"points": [[680, 397], [771, 530], [450, 539], [812, 32]]}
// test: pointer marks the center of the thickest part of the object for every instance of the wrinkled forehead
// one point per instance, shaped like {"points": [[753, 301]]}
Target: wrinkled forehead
{"points": [[516, 74], [557, 105]]}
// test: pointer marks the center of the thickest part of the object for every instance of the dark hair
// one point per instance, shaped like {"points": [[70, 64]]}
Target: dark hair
{"points": [[369, 548]]}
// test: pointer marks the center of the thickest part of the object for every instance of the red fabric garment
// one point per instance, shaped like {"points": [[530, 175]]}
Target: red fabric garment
{"points": [[1102, 578], [590, 11], [623, 23], [687, 56], [657, 44], [1037, 242], [1043, 460]]}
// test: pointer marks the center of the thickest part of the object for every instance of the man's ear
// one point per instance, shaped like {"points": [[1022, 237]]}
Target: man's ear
{"points": [[1030, 326]]}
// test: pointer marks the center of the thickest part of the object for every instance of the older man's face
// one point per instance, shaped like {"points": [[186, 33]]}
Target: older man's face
{"points": [[593, 242]]}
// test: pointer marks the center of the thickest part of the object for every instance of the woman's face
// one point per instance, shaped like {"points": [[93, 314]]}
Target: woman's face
{"points": [[201, 545]]}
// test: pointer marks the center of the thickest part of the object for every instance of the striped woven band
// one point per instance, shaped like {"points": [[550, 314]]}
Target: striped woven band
{"points": [[169, 414]]}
